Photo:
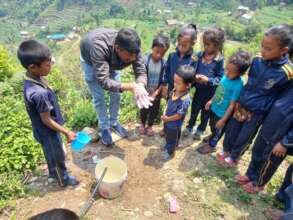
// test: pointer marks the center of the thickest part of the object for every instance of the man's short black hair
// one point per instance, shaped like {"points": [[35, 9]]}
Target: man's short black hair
{"points": [[56, 214], [187, 73], [128, 40], [32, 52], [241, 59], [161, 41]]}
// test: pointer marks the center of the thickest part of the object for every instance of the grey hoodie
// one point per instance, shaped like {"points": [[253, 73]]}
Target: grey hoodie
{"points": [[97, 49]]}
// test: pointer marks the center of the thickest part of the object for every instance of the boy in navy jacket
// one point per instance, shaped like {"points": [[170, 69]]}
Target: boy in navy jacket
{"points": [[43, 109]]}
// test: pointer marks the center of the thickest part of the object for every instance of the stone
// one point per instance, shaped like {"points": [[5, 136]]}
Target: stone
{"points": [[197, 180], [92, 133], [148, 214], [167, 196], [33, 179]]}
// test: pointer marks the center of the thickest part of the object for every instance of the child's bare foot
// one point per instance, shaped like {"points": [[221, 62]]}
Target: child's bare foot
{"points": [[150, 132]]}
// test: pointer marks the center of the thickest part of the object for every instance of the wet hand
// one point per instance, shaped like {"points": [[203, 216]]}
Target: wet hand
{"points": [[142, 97]]}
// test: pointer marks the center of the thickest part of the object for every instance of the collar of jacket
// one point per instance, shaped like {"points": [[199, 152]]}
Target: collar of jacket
{"points": [[39, 81], [182, 96], [188, 54], [217, 58], [278, 62]]}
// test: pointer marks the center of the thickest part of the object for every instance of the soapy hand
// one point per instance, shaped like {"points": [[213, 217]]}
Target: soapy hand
{"points": [[142, 97]]}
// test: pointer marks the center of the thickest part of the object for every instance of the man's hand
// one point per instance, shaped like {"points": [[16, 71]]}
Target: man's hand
{"points": [[220, 124], [70, 136], [202, 79], [279, 150], [164, 118], [141, 96], [208, 105]]}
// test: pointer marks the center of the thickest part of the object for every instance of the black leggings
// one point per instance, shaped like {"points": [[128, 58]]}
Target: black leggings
{"points": [[149, 115], [200, 98]]}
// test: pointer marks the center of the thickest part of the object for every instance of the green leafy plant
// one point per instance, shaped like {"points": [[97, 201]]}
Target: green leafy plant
{"points": [[6, 66]]}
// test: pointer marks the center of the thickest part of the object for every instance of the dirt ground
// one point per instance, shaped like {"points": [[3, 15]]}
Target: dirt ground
{"points": [[201, 192]]}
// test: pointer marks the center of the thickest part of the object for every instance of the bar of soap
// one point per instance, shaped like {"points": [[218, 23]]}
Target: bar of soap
{"points": [[173, 205]]}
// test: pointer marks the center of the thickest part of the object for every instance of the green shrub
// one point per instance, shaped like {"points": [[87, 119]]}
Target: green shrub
{"points": [[82, 115], [18, 149], [10, 186], [6, 64]]}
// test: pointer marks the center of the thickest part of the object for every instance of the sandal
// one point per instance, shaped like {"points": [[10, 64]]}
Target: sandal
{"points": [[252, 189], [206, 149], [150, 132], [222, 156], [142, 130], [242, 180], [230, 162]]}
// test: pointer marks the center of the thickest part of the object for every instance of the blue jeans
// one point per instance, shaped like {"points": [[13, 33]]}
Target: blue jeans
{"points": [[99, 100]]}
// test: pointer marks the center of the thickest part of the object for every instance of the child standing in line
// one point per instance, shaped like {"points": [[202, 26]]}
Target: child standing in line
{"points": [[221, 106], [183, 55], [43, 109], [273, 143], [210, 69], [176, 109], [154, 63], [267, 77]]}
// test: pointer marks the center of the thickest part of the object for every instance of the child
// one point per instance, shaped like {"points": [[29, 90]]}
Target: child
{"points": [[182, 56], [43, 108], [155, 66], [273, 143], [227, 94], [266, 78], [176, 109], [210, 69]]}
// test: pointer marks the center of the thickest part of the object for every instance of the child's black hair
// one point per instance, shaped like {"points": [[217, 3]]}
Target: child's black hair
{"points": [[129, 40], [56, 214], [284, 33], [32, 52], [241, 59], [161, 41], [215, 35], [190, 30], [186, 72]]}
